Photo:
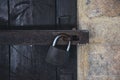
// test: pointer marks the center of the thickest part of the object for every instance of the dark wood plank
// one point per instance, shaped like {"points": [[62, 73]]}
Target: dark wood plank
{"points": [[69, 71], [21, 56], [21, 63], [3, 12], [20, 12], [42, 70], [40, 37], [66, 12], [28, 63], [4, 62], [43, 12]]}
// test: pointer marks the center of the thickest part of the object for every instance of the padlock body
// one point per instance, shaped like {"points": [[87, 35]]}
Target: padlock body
{"points": [[57, 56]]}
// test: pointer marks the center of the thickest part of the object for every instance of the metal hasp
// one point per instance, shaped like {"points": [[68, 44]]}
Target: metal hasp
{"points": [[41, 37]]}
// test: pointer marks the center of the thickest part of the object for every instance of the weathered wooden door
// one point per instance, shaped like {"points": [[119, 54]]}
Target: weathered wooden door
{"points": [[27, 62]]}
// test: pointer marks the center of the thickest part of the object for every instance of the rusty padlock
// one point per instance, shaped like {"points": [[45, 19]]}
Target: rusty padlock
{"points": [[58, 56]]}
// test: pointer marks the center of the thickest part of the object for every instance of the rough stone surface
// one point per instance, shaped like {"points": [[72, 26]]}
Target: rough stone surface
{"points": [[103, 8], [100, 59]]}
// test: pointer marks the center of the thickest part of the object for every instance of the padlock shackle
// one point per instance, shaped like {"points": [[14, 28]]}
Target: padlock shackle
{"points": [[68, 47], [59, 36]]}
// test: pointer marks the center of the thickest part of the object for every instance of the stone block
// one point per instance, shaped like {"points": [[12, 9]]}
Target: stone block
{"points": [[102, 30], [97, 8]]}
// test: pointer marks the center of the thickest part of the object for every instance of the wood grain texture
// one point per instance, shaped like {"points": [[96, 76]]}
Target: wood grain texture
{"points": [[4, 62], [66, 11], [43, 12], [21, 63], [20, 12]]}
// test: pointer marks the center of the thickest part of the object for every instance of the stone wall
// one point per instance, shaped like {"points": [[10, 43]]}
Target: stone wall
{"points": [[100, 59]]}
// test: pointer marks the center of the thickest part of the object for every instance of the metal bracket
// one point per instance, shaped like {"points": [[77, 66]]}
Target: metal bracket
{"points": [[41, 37]]}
